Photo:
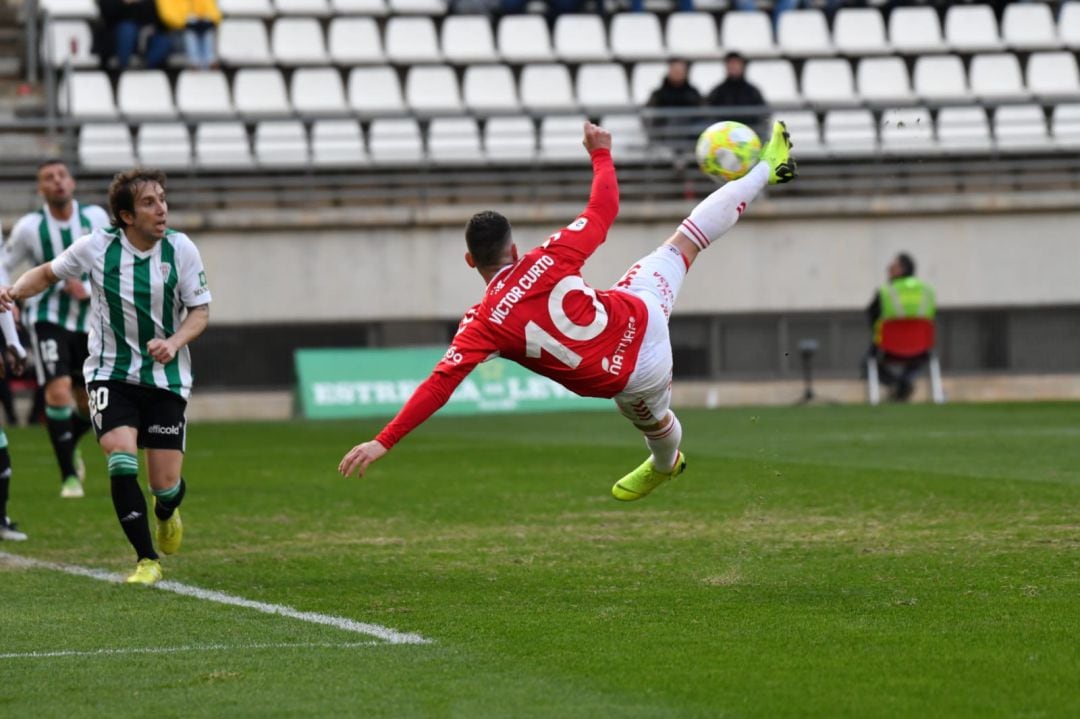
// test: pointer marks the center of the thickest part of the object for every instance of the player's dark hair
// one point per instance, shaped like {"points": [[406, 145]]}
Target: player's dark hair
{"points": [[50, 161], [907, 264], [487, 235], [125, 185]]}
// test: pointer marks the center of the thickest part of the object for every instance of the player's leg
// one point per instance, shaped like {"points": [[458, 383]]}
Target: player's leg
{"points": [[80, 416], [163, 430], [54, 371], [662, 431], [8, 530]]}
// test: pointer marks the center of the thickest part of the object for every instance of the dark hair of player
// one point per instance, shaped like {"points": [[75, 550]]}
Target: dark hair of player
{"points": [[50, 161], [487, 236], [124, 187], [907, 265]]}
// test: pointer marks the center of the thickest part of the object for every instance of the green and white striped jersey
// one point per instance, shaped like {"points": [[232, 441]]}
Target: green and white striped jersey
{"points": [[136, 297], [39, 237]]}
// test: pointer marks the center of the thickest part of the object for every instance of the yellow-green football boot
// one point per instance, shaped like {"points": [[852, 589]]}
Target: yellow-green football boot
{"points": [[147, 571], [777, 155], [170, 532], [645, 479]]}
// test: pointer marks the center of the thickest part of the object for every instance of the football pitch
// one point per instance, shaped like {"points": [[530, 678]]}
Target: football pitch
{"points": [[812, 562]]}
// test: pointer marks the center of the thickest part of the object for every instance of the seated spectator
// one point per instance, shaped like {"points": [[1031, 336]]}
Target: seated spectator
{"points": [[122, 23], [198, 19], [902, 296], [736, 92], [676, 130]]}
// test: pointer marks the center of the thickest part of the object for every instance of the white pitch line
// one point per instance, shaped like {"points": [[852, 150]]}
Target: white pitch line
{"points": [[375, 630], [193, 648]]}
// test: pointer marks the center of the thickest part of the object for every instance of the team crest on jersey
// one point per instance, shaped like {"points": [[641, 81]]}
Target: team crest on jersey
{"points": [[166, 270], [578, 225]]}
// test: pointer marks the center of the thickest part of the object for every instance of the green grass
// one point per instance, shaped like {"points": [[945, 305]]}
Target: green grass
{"points": [[812, 562]]}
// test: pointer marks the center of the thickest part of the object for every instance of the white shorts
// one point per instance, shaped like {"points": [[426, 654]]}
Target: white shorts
{"points": [[656, 280]]}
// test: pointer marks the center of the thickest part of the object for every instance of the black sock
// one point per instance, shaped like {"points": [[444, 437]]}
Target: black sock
{"points": [[5, 481], [130, 508], [79, 427], [166, 507], [58, 422]]}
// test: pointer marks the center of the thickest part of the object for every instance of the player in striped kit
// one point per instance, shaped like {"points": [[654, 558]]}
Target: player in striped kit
{"points": [[57, 318], [149, 300]]}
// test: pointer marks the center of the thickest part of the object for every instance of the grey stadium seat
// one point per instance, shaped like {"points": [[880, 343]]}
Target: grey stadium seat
{"points": [[828, 83], [997, 77], [748, 32], [972, 28], [247, 8], [298, 41], [915, 30], [941, 78], [222, 145], [433, 89], [1053, 75], [692, 35], [337, 143], [90, 94], [106, 147], [580, 38], [546, 88], [143, 94], [468, 39], [850, 132], [281, 144], [69, 41], [454, 141], [638, 36], [243, 41], [318, 92], [804, 33], [395, 141], [490, 88], [203, 93], [510, 140], [860, 31], [884, 81], [411, 40], [375, 91], [1021, 128], [166, 145], [355, 41], [560, 138], [1029, 26], [524, 38], [963, 130], [646, 78], [260, 92], [907, 131], [602, 86], [776, 80], [319, 8]]}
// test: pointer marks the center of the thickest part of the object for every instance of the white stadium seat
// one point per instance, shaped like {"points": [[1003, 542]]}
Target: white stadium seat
{"points": [[260, 92], [749, 32], [560, 138], [972, 28], [997, 77], [602, 86], [433, 89], [359, 7], [580, 38], [454, 141], [546, 88], [281, 143], [222, 145], [90, 94], [510, 140], [692, 35], [203, 93], [1029, 26], [850, 132], [645, 78], [69, 41], [524, 38], [776, 80], [395, 141], [1069, 25], [915, 30], [337, 143], [805, 130], [298, 41], [804, 33], [905, 131], [355, 41], [629, 141], [941, 78], [860, 31], [318, 91], [243, 42], [1065, 125], [145, 94], [106, 147], [1018, 128], [963, 130], [828, 82], [375, 90], [302, 7], [490, 88], [884, 81], [1053, 75], [166, 145], [468, 39], [86, 9], [418, 7], [637, 36], [247, 8], [705, 75], [411, 40]]}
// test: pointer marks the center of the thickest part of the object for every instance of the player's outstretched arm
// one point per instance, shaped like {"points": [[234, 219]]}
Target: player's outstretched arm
{"points": [[604, 196], [31, 283]]}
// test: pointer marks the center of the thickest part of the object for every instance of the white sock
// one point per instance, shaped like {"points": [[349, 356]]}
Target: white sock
{"points": [[664, 444], [719, 212]]}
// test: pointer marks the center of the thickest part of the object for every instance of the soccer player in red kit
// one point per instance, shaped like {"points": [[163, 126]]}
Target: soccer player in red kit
{"points": [[538, 312]]}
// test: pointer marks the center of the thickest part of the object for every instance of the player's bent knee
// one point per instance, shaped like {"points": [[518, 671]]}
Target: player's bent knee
{"points": [[123, 464], [121, 439]]}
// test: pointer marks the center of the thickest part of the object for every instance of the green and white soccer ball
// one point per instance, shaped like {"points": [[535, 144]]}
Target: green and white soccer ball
{"points": [[727, 150]]}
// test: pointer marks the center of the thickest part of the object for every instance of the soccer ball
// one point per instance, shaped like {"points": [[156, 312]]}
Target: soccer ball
{"points": [[727, 150]]}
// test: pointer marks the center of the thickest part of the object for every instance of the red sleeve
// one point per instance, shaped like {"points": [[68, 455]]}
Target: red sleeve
{"points": [[589, 230]]}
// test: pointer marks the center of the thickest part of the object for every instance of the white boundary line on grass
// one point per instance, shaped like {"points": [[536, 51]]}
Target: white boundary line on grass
{"points": [[193, 648], [386, 634]]}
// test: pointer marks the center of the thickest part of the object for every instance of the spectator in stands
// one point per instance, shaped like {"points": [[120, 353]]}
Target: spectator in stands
{"points": [[122, 23], [680, 5], [555, 7], [678, 129], [902, 296], [736, 92], [198, 20]]}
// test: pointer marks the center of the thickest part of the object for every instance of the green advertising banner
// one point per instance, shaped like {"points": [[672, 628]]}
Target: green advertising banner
{"points": [[339, 384]]}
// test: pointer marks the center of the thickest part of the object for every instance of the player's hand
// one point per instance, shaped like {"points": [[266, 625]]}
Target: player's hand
{"points": [[596, 138], [14, 360], [162, 350], [76, 289], [6, 300], [360, 458]]}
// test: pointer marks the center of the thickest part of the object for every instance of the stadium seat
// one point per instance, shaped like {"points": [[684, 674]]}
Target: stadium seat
{"points": [[560, 138], [580, 38], [645, 78], [1020, 128], [166, 145], [411, 40], [907, 131], [1053, 75], [704, 75], [850, 132], [355, 41], [318, 92], [222, 145], [884, 81], [629, 142], [281, 144], [337, 143], [418, 7], [804, 33], [375, 91], [997, 77], [860, 31], [85, 9], [1069, 25], [454, 141], [524, 38], [1065, 125], [941, 78], [247, 8], [106, 147], [320, 8], [602, 86], [468, 39], [298, 41], [260, 92], [963, 130], [145, 94], [1029, 26], [490, 88], [69, 41], [828, 82], [637, 36], [692, 35], [510, 140], [972, 28], [748, 32], [203, 94], [243, 42], [546, 88], [90, 94], [776, 80], [395, 141], [358, 7], [805, 132], [915, 31], [432, 90]]}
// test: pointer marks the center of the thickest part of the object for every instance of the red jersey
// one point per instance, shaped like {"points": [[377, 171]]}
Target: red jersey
{"points": [[540, 313]]}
